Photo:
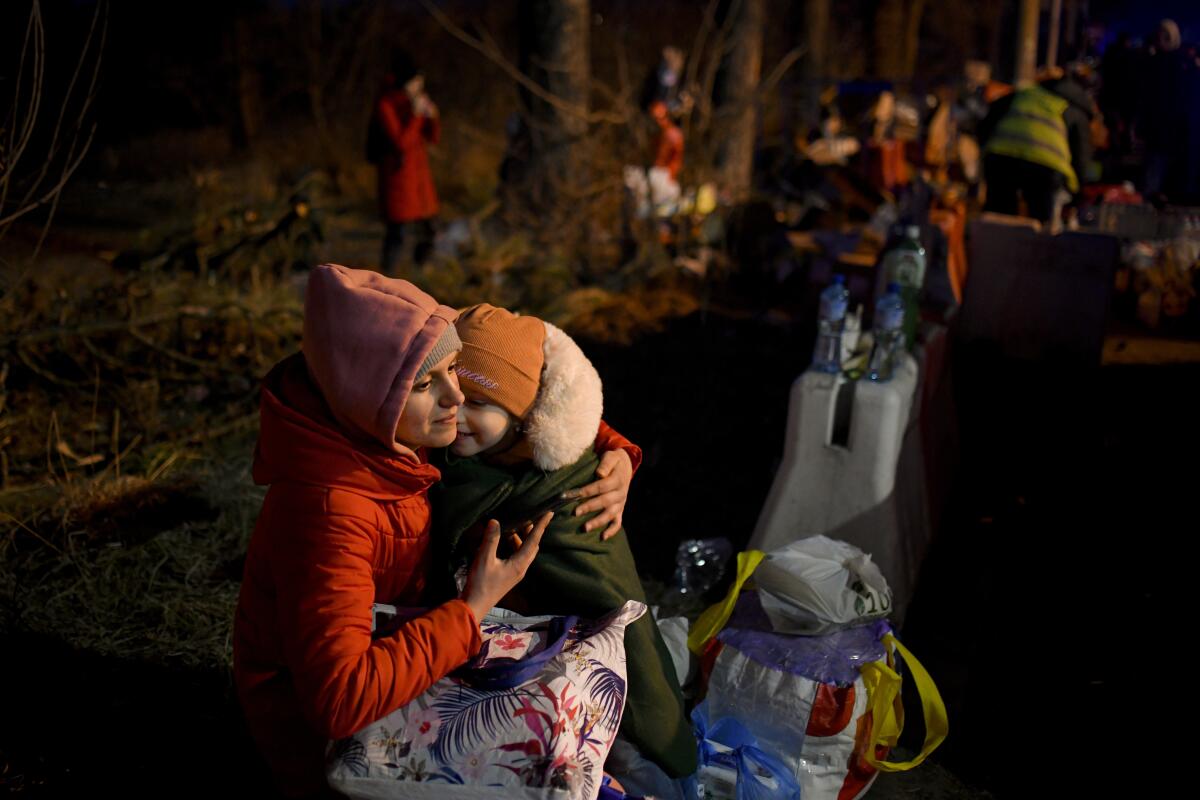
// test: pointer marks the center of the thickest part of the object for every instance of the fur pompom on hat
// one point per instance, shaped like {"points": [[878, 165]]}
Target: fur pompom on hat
{"points": [[566, 416]]}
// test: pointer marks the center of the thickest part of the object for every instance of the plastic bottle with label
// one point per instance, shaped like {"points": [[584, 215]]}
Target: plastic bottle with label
{"points": [[835, 300], [904, 264], [889, 335]]}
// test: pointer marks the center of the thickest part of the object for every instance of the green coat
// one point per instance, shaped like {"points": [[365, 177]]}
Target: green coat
{"points": [[574, 573]]}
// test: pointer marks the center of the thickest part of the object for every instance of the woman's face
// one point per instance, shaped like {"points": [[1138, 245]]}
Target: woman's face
{"points": [[430, 414], [482, 426]]}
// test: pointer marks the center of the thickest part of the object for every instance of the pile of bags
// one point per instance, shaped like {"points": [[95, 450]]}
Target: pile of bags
{"points": [[802, 678], [798, 670]]}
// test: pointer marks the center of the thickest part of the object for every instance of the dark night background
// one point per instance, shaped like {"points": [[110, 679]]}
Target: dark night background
{"points": [[1051, 603]]}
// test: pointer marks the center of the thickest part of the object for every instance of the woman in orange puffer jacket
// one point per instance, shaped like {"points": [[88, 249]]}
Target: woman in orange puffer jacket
{"points": [[345, 523]]}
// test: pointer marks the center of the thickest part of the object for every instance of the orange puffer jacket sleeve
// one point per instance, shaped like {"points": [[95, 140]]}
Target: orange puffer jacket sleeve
{"points": [[607, 438], [344, 680]]}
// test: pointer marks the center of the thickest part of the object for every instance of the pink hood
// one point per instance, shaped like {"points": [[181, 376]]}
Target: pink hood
{"points": [[365, 337]]}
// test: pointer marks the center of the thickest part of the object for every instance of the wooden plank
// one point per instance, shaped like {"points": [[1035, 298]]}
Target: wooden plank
{"points": [[803, 241], [863, 260], [1127, 349]]}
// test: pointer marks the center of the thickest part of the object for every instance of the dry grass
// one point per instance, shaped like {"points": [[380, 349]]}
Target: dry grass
{"points": [[128, 405], [155, 580]]}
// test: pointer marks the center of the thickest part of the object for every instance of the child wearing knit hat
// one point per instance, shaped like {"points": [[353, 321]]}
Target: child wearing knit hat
{"points": [[525, 434]]}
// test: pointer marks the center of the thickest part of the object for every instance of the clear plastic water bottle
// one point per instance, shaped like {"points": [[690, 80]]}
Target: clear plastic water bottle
{"points": [[904, 264], [889, 334], [700, 564], [827, 355]]}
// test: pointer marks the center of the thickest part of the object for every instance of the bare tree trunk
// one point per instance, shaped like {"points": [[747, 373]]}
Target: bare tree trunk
{"points": [[816, 36], [1027, 42], [888, 38], [1070, 29], [912, 36], [554, 45], [1052, 37], [991, 22], [815, 63], [249, 85], [316, 60], [736, 88], [897, 37]]}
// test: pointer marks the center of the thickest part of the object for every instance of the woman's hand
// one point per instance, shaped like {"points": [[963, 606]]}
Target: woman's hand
{"points": [[491, 577], [608, 493]]}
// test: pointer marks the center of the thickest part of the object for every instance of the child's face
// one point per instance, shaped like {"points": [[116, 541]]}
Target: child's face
{"points": [[481, 426], [430, 414]]}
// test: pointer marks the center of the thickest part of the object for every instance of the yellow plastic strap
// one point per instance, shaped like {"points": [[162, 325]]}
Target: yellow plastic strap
{"points": [[887, 712], [715, 616]]}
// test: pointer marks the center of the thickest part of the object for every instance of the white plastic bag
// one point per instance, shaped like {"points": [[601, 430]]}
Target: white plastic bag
{"points": [[778, 707], [817, 585], [674, 631], [655, 193]]}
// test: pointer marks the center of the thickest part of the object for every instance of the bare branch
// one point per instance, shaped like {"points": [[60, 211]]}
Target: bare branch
{"points": [[53, 192], [101, 9], [182, 358], [694, 57], [637, 131], [489, 50], [182, 312], [789, 59], [723, 44], [22, 128], [25, 119]]}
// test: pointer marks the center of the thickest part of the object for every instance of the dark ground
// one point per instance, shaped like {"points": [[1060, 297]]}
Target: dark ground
{"points": [[1043, 611]]}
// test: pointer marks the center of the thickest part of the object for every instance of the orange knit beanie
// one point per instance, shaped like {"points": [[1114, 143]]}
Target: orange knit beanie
{"points": [[501, 356]]}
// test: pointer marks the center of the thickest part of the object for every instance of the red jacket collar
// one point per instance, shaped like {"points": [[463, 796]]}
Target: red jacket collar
{"points": [[299, 441]]}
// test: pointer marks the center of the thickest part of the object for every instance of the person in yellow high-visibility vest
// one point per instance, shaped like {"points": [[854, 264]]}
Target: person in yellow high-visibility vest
{"points": [[1036, 141]]}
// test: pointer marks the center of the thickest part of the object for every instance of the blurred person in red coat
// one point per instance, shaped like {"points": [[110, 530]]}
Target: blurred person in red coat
{"points": [[404, 122], [668, 142]]}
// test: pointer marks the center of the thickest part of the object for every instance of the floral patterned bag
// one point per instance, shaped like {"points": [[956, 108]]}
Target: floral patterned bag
{"points": [[532, 716]]}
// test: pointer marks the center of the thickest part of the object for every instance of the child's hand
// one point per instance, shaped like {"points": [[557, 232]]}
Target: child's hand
{"points": [[492, 577], [608, 494], [511, 540]]}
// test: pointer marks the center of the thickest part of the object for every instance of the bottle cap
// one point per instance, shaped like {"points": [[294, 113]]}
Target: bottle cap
{"points": [[912, 232], [893, 287], [839, 278]]}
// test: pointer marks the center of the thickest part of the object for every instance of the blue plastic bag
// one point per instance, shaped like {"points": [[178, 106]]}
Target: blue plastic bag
{"points": [[728, 744]]}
